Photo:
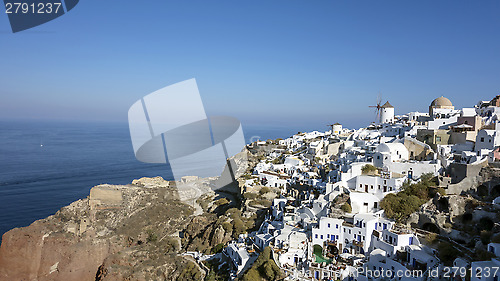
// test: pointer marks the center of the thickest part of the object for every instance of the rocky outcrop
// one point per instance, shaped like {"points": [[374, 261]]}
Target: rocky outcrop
{"points": [[116, 233]]}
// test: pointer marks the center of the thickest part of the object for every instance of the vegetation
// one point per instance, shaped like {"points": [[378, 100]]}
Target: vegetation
{"points": [[250, 195], [483, 255], [401, 205], [447, 253], [431, 238], [239, 224], [264, 268], [218, 248], [346, 208], [190, 272], [216, 273], [246, 176], [222, 201], [260, 202], [264, 190], [368, 169], [152, 237]]}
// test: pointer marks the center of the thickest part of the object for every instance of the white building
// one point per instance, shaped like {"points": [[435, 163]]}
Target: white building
{"points": [[387, 113], [392, 240], [375, 184], [386, 153], [488, 139], [362, 202], [328, 229], [487, 270], [238, 254], [263, 240], [442, 113]]}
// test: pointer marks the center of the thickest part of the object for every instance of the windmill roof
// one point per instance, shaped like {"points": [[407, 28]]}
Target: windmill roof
{"points": [[387, 105]]}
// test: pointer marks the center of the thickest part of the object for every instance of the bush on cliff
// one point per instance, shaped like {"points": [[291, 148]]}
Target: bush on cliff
{"points": [[401, 205], [264, 268], [368, 169], [346, 208]]}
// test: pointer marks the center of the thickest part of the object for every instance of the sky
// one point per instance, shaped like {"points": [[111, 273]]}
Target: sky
{"points": [[280, 63]]}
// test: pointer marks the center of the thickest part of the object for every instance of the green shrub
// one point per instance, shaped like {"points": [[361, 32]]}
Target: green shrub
{"points": [[482, 255], [485, 236], [260, 202], [447, 253], [264, 190], [152, 237], [401, 205], [227, 226], [264, 268], [218, 248], [368, 169], [250, 195], [221, 201], [346, 208]]}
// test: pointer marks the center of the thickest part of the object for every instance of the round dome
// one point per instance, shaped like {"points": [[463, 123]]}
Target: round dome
{"points": [[441, 101]]}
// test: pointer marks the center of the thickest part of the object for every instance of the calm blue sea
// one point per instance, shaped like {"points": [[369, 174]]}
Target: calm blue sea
{"points": [[36, 181]]}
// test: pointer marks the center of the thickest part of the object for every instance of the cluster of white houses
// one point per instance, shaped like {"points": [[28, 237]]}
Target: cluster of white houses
{"points": [[312, 241]]}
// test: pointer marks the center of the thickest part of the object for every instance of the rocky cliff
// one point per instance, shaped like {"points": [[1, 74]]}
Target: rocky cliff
{"points": [[117, 233]]}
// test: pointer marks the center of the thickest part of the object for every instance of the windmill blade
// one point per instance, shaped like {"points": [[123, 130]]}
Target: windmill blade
{"points": [[379, 99]]}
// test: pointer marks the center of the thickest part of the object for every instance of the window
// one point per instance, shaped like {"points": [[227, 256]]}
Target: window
{"points": [[321, 237], [482, 139], [328, 225], [337, 226], [378, 156], [375, 205], [438, 138], [315, 235], [328, 236], [365, 204]]}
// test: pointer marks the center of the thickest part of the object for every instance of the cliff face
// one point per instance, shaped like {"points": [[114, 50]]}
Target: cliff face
{"points": [[117, 233]]}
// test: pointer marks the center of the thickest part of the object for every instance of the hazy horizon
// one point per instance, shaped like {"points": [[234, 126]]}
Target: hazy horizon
{"points": [[285, 62]]}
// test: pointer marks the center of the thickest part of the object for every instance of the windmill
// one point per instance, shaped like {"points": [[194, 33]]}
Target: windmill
{"points": [[331, 128], [377, 107]]}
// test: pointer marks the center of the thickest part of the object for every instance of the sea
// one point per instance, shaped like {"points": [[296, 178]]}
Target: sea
{"points": [[45, 165]]}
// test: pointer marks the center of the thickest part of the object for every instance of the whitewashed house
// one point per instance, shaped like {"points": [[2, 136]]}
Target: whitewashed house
{"points": [[328, 229], [238, 254]]}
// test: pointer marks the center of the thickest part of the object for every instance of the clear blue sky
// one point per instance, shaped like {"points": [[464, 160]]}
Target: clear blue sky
{"points": [[288, 62]]}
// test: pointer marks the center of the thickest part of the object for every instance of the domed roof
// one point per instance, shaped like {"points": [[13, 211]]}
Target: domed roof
{"points": [[441, 101]]}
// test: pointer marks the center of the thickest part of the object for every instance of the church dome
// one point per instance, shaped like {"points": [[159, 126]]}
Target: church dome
{"points": [[441, 101]]}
